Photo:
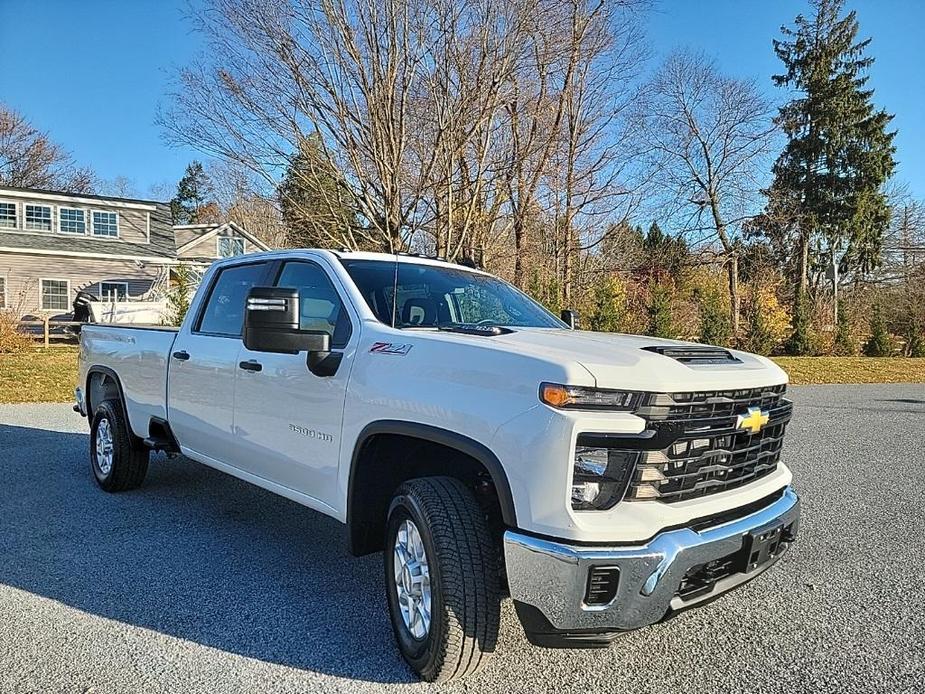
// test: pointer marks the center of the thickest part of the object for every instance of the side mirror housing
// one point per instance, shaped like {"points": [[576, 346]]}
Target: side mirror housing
{"points": [[570, 318], [271, 323]]}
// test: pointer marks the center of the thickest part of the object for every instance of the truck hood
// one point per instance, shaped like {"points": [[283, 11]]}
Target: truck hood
{"points": [[616, 360]]}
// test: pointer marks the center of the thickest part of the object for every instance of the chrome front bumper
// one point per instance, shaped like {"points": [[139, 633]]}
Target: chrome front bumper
{"points": [[548, 579]]}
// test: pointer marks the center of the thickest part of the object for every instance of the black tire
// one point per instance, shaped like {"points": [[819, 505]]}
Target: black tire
{"points": [[464, 583], [129, 454]]}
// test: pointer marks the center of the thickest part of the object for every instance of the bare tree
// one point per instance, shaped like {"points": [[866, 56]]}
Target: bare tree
{"points": [[29, 159], [707, 139]]}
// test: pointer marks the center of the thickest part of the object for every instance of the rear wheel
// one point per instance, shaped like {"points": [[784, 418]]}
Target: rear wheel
{"points": [[118, 458], [441, 578]]}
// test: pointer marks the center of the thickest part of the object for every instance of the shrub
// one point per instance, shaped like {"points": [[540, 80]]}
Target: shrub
{"points": [[179, 296], [880, 343], [12, 339], [715, 328]]}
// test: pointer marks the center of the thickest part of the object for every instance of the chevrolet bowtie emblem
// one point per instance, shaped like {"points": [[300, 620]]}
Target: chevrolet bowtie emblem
{"points": [[753, 421]]}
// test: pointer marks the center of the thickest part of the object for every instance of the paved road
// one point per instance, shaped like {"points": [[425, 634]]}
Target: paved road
{"points": [[200, 583]]}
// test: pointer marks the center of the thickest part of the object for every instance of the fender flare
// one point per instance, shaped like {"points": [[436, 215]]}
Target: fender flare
{"points": [[109, 373], [450, 439]]}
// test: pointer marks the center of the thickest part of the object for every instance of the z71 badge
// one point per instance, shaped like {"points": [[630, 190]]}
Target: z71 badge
{"points": [[390, 348]]}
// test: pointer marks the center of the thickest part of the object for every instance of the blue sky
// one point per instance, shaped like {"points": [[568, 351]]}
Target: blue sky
{"points": [[92, 72]]}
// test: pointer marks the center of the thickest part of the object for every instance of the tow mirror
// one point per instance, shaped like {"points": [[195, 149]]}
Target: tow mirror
{"points": [[271, 324], [570, 318]]}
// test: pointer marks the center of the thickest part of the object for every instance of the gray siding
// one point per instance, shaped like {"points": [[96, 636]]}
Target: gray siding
{"points": [[21, 274]]}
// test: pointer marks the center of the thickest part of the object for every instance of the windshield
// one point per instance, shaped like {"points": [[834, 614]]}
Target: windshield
{"points": [[430, 296]]}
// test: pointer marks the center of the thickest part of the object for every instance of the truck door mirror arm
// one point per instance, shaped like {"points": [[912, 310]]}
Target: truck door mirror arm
{"points": [[271, 324]]}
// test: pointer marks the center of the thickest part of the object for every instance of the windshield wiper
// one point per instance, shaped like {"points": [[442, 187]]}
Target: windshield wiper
{"points": [[474, 329]]}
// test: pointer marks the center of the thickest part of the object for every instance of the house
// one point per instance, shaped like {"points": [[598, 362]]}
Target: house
{"points": [[200, 244], [54, 244]]}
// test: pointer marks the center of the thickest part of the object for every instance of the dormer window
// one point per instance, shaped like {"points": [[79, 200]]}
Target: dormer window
{"points": [[8, 215], [105, 224], [38, 217], [72, 220], [229, 246]]}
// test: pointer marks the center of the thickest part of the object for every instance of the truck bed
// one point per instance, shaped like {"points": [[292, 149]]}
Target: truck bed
{"points": [[139, 354]]}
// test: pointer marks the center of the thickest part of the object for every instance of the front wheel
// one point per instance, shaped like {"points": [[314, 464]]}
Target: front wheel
{"points": [[441, 579]]}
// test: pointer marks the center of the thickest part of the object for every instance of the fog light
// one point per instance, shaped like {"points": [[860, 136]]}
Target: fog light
{"points": [[585, 492]]}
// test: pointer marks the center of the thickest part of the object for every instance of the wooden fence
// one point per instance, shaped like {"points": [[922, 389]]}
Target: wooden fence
{"points": [[47, 333]]}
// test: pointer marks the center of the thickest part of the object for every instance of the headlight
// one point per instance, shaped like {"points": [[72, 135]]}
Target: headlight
{"points": [[583, 398], [600, 476]]}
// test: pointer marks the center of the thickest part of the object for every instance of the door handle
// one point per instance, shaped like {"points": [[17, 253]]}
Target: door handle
{"points": [[182, 355], [250, 365]]}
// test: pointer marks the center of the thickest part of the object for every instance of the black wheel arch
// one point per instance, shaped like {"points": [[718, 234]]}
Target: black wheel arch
{"points": [[88, 393], [359, 543]]}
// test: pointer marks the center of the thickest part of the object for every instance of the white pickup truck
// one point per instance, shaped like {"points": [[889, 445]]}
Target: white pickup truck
{"points": [[604, 482]]}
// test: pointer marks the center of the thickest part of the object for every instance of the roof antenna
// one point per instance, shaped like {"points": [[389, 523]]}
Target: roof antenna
{"points": [[395, 292]]}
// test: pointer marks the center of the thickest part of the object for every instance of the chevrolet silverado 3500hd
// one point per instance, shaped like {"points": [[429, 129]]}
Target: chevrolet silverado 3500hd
{"points": [[605, 482]]}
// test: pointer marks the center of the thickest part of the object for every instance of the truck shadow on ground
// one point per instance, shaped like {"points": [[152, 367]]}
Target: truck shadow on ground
{"points": [[195, 554]]}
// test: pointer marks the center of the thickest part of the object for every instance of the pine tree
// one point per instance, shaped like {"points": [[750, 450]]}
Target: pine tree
{"points": [[315, 206], [715, 327], [801, 341], [827, 196], [845, 345], [880, 343], [914, 334], [605, 314], [193, 202], [661, 323]]}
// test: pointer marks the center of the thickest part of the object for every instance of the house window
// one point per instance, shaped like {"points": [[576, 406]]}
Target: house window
{"points": [[105, 224], [72, 220], [56, 295], [8, 215], [113, 291], [38, 217], [229, 247], [3, 293]]}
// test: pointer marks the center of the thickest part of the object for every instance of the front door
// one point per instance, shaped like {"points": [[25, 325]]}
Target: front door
{"points": [[203, 365], [287, 420]]}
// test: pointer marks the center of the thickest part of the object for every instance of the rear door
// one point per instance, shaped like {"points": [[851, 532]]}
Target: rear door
{"points": [[203, 364], [288, 420]]}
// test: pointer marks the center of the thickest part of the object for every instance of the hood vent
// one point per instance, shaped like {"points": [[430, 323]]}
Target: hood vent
{"points": [[695, 355]]}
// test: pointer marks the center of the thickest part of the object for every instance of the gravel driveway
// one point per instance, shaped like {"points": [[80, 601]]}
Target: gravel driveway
{"points": [[198, 582]]}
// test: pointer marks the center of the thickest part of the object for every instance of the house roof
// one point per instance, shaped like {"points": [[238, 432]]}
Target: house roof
{"points": [[161, 245], [42, 192]]}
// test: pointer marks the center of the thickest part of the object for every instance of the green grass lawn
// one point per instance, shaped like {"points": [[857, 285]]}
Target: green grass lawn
{"points": [[39, 375], [804, 370], [49, 375]]}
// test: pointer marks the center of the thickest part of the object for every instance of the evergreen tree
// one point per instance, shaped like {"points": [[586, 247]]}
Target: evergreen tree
{"points": [[661, 322], [315, 206], [880, 343], [801, 341], [759, 336], [715, 327], [605, 314], [914, 334], [193, 202], [827, 196], [845, 345]]}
